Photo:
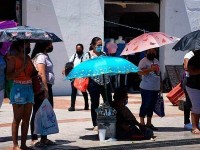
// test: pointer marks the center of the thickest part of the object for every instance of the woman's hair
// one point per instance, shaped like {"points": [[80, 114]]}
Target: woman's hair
{"points": [[194, 62], [81, 45], [119, 94], [39, 48], [93, 42], [17, 44]]}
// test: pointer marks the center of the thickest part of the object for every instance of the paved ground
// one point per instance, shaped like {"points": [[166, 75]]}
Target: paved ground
{"points": [[76, 129]]}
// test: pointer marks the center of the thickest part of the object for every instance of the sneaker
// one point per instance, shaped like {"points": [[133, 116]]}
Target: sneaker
{"points": [[188, 126], [95, 128], [71, 109]]}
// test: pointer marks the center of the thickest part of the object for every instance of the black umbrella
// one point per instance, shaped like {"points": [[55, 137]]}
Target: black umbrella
{"points": [[190, 41], [27, 33]]}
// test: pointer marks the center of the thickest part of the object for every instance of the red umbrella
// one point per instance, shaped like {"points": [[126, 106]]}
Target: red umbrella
{"points": [[148, 41], [3, 25]]}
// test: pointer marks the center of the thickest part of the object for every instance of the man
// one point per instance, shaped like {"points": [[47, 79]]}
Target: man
{"points": [[77, 59]]}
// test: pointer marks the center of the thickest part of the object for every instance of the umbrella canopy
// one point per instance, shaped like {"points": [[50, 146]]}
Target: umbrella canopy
{"points": [[27, 33], [4, 47], [148, 41], [190, 41], [102, 65]]}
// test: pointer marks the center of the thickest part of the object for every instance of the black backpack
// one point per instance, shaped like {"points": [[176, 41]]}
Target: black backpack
{"points": [[69, 66]]}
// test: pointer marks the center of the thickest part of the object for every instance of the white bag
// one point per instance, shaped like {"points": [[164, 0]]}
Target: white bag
{"points": [[45, 120]]}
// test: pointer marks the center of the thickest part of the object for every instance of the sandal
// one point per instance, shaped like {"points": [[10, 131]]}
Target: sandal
{"points": [[195, 131], [39, 144], [48, 142]]}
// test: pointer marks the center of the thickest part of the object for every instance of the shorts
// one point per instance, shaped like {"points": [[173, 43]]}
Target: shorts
{"points": [[21, 94]]}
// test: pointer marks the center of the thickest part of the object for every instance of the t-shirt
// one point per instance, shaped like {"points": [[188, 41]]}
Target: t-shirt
{"points": [[98, 79], [44, 59], [188, 55], [150, 81], [77, 60]]}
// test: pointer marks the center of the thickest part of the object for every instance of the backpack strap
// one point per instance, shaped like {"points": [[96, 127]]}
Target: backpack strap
{"points": [[89, 54], [74, 57]]}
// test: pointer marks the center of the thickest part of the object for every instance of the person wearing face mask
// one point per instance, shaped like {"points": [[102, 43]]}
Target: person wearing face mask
{"points": [[77, 59], [44, 66], [149, 86], [96, 84]]}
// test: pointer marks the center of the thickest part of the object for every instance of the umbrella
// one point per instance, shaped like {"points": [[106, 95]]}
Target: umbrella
{"points": [[102, 65], [6, 45], [148, 41], [190, 41], [27, 33]]}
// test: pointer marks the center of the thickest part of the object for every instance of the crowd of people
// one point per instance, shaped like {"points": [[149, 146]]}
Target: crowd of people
{"points": [[19, 68]]}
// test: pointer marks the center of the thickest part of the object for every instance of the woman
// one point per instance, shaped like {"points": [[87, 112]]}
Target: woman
{"points": [[150, 86], [44, 66], [193, 90], [20, 69], [96, 84]]}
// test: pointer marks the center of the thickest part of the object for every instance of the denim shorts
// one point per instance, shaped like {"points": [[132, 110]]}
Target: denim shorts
{"points": [[21, 94]]}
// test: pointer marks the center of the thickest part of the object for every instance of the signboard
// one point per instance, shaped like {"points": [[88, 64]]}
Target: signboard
{"points": [[175, 73]]}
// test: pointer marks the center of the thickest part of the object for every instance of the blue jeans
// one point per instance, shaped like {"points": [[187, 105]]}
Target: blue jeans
{"points": [[148, 102]]}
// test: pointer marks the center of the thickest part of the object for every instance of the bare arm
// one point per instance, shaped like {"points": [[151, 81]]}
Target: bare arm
{"points": [[147, 71], [185, 64]]}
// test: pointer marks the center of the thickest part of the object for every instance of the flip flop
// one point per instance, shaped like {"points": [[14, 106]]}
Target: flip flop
{"points": [[195, 131]]}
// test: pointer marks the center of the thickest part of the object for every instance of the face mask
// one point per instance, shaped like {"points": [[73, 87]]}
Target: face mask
{"points": [[151, 56], [80, 53], [50, 49], [98, 49]]}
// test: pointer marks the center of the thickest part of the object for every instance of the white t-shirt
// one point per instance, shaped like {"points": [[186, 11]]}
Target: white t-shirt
{"points": [[188, 55], [44, 59], [77, 60]]}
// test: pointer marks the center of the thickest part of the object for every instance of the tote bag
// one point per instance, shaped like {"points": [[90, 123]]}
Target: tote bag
{"points": [[159, 106], [45, 120]]}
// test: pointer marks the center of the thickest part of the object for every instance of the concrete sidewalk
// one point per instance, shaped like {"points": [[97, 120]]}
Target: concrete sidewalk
{"points": [[76, 128]]}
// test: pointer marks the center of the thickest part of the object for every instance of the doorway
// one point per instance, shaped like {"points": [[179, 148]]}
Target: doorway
{"points": [[138, 14]]}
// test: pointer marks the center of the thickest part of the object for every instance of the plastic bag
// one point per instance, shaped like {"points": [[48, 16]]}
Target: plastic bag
{"points": [[81, 84], [45, 120]]}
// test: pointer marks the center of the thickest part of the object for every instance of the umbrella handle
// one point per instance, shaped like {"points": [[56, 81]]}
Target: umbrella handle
{"points": [[105, 86]]}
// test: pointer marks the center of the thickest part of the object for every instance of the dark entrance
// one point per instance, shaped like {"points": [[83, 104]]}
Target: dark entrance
{"points": [[11, 10], [148, 21]]}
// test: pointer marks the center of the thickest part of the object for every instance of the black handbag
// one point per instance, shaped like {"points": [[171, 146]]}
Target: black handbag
{"points": [[159, 106]]}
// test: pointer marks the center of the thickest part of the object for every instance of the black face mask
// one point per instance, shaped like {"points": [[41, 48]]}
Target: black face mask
{"points": [[80, 53], [151, 56], [49, 50]]}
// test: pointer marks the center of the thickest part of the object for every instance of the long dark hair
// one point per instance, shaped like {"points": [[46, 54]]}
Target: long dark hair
{"points": [[93, 42], [39, 48]]}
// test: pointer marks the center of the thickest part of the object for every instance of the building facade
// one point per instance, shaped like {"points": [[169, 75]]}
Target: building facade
{"points": [[78, 21]]}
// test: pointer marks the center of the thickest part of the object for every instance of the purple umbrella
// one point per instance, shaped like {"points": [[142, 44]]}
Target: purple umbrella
{"points": [[6, 45]]}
